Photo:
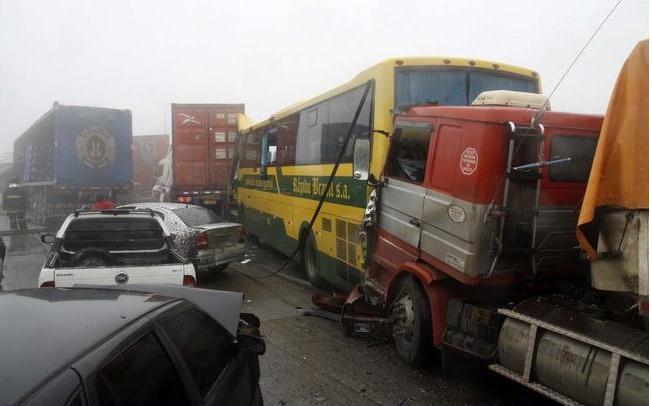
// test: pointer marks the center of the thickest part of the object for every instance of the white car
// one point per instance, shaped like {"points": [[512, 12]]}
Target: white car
{"points": [[114, 247]]}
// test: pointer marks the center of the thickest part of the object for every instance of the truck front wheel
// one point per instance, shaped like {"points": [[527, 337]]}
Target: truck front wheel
{"points": [[412, 328]]}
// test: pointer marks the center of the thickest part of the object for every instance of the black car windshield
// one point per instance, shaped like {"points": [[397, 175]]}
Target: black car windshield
{"points": [[196, 216], [453, 86]]}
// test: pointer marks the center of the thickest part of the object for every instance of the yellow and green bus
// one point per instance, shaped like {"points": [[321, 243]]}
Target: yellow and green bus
{"points": [[284, 162]]}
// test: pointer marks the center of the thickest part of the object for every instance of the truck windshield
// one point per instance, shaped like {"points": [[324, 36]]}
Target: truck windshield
{"points": [[453, 86]]}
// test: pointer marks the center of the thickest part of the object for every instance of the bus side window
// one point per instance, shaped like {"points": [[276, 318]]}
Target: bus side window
{"points": [[272, 143], [308, 150], [287, 140], [251, 151], [341, 110]]}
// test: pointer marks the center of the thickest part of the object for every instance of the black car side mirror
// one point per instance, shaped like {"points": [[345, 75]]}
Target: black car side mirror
{"points": [[251, 344], [47, 238]]}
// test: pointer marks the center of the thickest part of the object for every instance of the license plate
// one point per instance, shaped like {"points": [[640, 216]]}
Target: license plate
{"points": [[210, 201]]}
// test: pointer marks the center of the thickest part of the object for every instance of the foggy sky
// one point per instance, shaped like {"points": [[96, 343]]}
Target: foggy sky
{"points": [[144, 55]]}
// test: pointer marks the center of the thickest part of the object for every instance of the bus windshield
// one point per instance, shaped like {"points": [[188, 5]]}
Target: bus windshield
{"points": [[453, 86]]}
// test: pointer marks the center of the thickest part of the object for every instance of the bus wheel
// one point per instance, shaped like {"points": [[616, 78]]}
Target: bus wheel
{"points": [[241, 215], [311, 262], [412, 327]]}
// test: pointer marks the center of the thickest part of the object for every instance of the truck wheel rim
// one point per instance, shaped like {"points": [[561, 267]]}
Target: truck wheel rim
{"points": [[403, 318]]}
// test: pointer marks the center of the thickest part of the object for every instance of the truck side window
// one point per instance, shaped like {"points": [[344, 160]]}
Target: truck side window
{"points": [[409, 155], [580, 149]]}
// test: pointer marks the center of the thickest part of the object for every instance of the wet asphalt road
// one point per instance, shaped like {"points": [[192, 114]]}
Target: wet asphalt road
{"points": [[308, 360]]}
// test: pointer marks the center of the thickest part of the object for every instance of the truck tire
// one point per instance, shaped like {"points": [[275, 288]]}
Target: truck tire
{"points": [[311, 262], [412, 324]]}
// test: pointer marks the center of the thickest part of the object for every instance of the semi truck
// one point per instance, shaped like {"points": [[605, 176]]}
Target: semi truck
{"points": [[71, 154], [203, 141], [471, 247]]}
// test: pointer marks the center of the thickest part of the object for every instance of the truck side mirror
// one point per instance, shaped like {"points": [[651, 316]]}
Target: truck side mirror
{"points": [[361, 157]]}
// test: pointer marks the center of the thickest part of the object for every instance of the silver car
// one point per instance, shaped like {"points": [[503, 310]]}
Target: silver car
{"points": [[200, 235]]}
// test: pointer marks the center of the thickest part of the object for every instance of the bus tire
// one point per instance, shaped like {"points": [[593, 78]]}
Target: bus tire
{"points": [[241, 215], [412, 326], [311, 261]]}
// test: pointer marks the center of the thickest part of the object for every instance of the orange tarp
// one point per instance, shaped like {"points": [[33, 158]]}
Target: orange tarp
{"points": [[619, 175]]}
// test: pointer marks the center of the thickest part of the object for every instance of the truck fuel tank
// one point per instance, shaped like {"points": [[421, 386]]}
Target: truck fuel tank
{"points": [[569, 365]]}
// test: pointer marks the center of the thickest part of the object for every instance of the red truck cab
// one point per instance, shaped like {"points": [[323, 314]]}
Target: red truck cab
{"points": [[444, 197], [470, 248], [476, 200]]}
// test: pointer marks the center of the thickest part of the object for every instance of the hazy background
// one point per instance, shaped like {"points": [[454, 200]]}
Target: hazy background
{"points": [[144, 55]]}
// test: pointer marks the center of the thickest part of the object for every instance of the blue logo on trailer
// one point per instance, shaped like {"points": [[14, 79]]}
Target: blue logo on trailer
{"points": [[93, 147]]}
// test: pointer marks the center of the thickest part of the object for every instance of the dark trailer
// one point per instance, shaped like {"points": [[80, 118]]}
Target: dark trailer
{"points": [[71, 154]]}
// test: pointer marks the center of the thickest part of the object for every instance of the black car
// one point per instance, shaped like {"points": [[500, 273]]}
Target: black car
{"points": [[132, 345]]}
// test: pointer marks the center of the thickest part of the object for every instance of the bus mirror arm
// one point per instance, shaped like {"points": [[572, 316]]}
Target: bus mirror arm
{"points": [[370, 132]]}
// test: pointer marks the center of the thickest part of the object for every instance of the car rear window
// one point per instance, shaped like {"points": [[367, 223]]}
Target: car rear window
{"points": [[196, 216], [114, 233]]}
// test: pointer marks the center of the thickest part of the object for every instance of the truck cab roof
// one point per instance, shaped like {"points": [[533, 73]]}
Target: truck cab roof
{"points": [[501, 114]]}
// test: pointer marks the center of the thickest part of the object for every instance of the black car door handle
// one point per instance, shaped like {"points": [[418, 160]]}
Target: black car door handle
{"points": [[415, 222]]}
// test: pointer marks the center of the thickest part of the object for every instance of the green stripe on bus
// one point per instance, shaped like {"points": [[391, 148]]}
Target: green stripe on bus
{"points": [[272, 231], [344, 190]]}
